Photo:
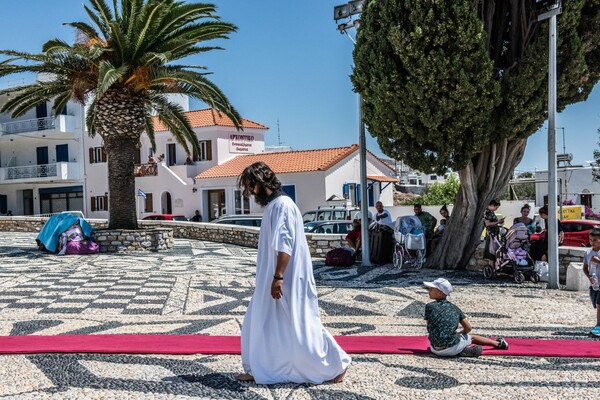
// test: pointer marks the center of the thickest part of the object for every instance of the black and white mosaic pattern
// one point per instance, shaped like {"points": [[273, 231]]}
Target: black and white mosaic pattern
{"points": [[204, 288]]}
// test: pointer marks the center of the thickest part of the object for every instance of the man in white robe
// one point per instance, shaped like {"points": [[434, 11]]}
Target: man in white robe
{"points": [[283, 339]]}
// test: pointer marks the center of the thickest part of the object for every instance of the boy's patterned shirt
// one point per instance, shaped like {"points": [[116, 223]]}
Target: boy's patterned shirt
{"points": [[442, 319]]}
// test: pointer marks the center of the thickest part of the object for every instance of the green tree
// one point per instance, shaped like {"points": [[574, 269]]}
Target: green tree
{"points": [[461, 85], [439, 193], [121, 65]]}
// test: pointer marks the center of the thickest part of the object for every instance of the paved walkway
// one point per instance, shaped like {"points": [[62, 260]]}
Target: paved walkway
{"points": [[204, 288]]}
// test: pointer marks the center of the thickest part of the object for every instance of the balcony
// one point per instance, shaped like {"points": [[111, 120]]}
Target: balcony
{"points": [[61, 123], [141, 170], [63, 171]]}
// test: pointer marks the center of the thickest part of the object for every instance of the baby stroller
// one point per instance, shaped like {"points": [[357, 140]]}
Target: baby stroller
{"points": [[409, 248], [512, 256]]}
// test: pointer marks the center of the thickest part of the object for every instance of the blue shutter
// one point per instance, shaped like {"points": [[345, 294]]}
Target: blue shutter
{"points": [[358, 193], [346, 191], [371, 196], [62, 153], [290, 190]]}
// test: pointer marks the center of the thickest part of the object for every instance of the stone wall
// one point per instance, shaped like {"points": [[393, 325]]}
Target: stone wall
{"points": [[319, 244], [156, 239]]}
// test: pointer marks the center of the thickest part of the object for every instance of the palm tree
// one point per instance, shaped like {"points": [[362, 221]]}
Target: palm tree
{"points": [[121, 66]]}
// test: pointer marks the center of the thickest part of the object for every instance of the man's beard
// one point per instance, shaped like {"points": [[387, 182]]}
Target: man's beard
{"points": [[262, 198]]}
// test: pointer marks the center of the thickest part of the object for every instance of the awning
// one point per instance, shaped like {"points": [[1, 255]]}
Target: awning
{"points": [[381, 178]]}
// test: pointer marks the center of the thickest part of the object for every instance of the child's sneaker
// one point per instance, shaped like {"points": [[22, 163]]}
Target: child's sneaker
{"points": [[471, 351], [502, 344], [596, 331]]}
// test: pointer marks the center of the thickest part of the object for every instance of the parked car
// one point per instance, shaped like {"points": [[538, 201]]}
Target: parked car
{"points": [[339, 227], [329, 213], [576, 232], [165, 217], [242, 219]]}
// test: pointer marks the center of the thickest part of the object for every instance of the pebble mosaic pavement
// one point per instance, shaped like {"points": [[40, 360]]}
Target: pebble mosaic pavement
{"points": [[204, 288]]}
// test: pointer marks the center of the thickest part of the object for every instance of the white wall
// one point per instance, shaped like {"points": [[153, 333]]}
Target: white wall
{"points": [[348, 171], [577, 181]]}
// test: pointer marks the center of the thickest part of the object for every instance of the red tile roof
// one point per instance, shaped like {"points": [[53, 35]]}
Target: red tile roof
{"points": [[381, 178], [283, 162], [208, 117]]}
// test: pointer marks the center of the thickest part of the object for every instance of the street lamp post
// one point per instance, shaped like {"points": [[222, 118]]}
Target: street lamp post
{"points": [[549, 9], [346, 11]]}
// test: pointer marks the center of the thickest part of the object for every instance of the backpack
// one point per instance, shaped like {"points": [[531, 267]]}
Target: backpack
{"points": [[340, 257]]}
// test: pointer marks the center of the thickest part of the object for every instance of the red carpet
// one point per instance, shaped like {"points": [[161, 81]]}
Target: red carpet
{"points": [[200, 344]]}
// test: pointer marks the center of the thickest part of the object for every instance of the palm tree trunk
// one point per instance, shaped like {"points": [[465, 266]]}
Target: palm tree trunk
{"points": [[484, 179], [121, 183]]}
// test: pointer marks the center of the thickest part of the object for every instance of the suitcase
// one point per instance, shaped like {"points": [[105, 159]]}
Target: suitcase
{"points": [[381, 245], [340, 258]]}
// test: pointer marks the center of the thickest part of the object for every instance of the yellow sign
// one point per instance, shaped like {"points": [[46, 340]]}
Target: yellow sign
{"points": [[570, 212]]}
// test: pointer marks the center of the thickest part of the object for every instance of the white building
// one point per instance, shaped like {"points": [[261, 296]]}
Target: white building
{"points": [[309, 177], [41, 160], [574, 183]]}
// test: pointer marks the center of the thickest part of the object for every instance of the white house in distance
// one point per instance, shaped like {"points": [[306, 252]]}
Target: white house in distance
{"points": [[574, 183], [309, 177]]}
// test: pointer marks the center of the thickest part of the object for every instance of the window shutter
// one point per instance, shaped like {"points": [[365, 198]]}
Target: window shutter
{"points": [[105, 203], [195, 154], [93, 199], [209, 150], [92, 161], [103, 154]]}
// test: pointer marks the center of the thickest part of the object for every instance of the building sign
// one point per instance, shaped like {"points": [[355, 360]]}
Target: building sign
{"points": [[571, 212], [241, 143]]}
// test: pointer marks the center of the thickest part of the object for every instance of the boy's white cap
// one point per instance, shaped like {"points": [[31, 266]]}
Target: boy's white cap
{"points": [[440, 283]]}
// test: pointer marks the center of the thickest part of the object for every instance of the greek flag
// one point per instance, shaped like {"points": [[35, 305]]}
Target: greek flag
{"points": [[141, 193]]}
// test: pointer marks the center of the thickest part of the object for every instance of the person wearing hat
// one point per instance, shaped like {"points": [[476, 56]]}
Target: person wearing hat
{"points": [[443, 318]]}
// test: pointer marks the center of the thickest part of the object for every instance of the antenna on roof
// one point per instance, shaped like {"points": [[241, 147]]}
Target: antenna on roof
{"points": [[278, 133]]}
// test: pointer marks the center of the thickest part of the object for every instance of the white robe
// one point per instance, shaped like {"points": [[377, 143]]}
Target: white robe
{"points": [[284, 340]]}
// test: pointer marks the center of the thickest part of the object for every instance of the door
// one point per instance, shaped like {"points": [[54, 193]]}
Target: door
{"points": [[62, 153], [171, 154], [166, 205], [42, 155], [586, 200], [216, 204], [28, 202], [3, 204], [41, 111]]}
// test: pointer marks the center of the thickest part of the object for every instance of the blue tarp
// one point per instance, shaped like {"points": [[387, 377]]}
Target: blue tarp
{"points": [[56, 225]]}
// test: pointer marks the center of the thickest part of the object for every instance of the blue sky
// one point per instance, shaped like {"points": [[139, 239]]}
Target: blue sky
{"points": [[287, 62]]}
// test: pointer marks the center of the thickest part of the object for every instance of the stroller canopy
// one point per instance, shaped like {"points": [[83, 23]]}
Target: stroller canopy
{"points": [[408, 224], [56, 225]]}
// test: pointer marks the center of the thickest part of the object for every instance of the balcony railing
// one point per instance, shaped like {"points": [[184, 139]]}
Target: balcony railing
{"points": [[145, 170], [31, 171], [28, 125]]}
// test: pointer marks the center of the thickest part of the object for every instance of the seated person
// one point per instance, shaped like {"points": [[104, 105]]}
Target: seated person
{"points": [[353, 237], [439, 230], [382, 216], [427, 220]]}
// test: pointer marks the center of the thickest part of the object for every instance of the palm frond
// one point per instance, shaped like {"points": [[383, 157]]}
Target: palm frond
{"points": [[56, 45], [172, 115], [108, 75], [100, 23], [86, 29]]}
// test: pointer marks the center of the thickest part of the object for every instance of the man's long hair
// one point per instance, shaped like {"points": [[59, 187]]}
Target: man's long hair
{"points": [[259, 172]]}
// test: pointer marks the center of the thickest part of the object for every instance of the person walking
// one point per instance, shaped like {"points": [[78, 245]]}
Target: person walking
{"points": [[283, 339]]}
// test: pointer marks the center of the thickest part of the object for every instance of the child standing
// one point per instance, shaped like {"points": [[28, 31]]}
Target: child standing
{"points": [[591, 264], [443, 319]]}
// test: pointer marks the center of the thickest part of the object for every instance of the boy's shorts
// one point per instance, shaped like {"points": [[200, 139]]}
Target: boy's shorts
{"points": [[465, 340], [594, 296]]}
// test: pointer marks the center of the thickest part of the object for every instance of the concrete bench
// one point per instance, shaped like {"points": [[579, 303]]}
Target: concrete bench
{"points": [[576, 279]]}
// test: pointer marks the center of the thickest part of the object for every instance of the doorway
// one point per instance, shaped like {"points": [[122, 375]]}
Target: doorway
{"points": [[586, 200], [27, 201], [171, 154], [166, 203], [216, 204]]}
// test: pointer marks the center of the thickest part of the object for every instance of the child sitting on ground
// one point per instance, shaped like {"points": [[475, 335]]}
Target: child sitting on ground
{"points": [[442, 319], [591, 264]]}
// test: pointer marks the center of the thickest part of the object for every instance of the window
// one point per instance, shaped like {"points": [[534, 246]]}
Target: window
{"points": [[99, 203], [97, 155], [205, 151], [60, 199], [309, 217], [148, 206], [324, 216], [412, 181], [433, 177], [290, 190], [242, 204]]}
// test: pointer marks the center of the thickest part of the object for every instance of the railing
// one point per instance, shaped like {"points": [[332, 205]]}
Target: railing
{"points": [[31, 171], [28, 125], [145, 170]]}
